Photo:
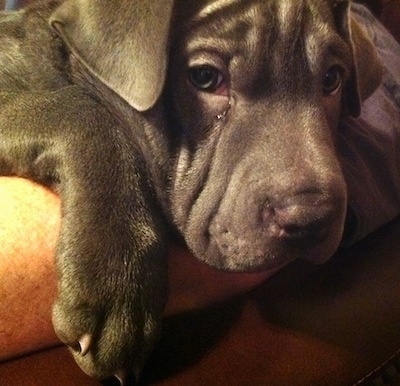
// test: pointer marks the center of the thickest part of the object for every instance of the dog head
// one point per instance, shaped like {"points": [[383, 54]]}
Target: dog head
{"points": [[255, 90]]}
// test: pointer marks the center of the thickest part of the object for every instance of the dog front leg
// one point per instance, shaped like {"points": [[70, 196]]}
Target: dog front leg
{"points": [[111, 251]]}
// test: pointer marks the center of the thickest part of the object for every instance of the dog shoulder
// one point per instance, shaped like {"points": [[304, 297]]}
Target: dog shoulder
{"points": [[32, 56]]}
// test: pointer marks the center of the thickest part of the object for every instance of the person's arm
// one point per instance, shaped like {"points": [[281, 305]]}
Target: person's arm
{"points": [[29, 225], [29, 222]]}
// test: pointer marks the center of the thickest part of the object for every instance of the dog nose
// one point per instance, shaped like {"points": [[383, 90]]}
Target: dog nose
{"points": [[305, 219]]}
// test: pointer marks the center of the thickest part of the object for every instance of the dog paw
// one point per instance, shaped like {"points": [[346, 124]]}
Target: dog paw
{"points": [[110, 326]]}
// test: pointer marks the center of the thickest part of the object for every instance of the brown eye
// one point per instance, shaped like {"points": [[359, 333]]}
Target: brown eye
{"points": [[333, 80], [206, 78]]}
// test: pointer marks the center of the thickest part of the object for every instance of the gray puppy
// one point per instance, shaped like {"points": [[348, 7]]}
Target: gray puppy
{"points": [[243, 164]]}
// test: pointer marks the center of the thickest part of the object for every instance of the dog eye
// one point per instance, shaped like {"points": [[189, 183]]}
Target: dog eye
{"points": [[332, 80], [206, 78]]}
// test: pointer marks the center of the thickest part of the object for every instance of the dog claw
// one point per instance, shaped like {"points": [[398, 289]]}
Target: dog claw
{"points": [[84, 344], [122, 376]]}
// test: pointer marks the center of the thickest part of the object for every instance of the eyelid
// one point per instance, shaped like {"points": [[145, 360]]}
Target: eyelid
{"points": [[213, 59], [337, 73], [212, 81], [209, 59], [340, 71], [341, 61]]}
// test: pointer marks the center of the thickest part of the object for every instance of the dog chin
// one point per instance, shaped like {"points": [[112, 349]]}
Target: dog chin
{"points": [[245, 257]]}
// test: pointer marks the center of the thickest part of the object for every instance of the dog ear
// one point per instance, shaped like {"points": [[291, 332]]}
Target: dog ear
{"points": [[367, 71], [124, 43]]}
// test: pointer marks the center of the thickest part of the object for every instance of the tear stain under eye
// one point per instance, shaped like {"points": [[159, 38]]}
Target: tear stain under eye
{"points": [[218, 119], [225, 112]]}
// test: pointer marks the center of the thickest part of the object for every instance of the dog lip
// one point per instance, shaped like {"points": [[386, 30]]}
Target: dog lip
{"points": [[305, 235], [283, 239], [229, 252], [219, 257]]}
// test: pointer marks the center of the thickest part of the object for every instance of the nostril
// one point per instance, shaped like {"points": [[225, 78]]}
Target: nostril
{"points": [[298, 222], [293, 230], [312, 231]]}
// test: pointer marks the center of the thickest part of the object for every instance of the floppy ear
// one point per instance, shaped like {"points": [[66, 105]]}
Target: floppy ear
{"points": [[367, 71], [124, 43]]}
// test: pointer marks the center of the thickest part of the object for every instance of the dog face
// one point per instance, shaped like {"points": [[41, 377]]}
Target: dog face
{"points": [[258, 88]]}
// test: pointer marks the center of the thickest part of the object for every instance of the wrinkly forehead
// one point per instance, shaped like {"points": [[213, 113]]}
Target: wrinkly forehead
{"points": [[260, 26], [282, 13]]}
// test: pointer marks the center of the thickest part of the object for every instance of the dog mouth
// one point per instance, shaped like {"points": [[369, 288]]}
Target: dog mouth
{"points": [[233, 252], [278, 238], [238, 255]]}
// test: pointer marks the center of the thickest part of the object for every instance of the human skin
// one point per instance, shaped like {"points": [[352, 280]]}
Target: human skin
{"points": [[29, 226]]}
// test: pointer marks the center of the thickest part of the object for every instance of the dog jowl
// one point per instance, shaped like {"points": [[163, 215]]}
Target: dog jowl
{"points": [[222, 114]]}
